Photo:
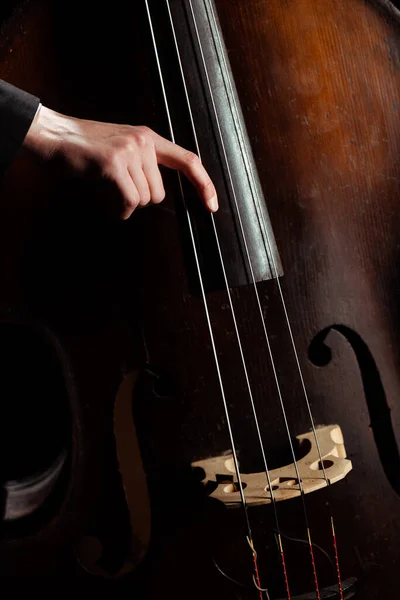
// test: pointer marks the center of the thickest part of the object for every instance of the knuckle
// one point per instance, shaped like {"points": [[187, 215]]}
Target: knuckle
{"points": [[144, 129], [191, 159], [141, 140], [142, 136], [158, 197], [127, 146], [132, 201], [145, 198]]}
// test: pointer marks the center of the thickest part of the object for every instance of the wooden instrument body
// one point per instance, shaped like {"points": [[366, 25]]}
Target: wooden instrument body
{"points": [[319, 87]]}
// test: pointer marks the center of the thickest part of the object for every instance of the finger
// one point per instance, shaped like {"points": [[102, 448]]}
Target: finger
{"points": [[140, 182], [154, 179], [175, 157], [129, 193]]}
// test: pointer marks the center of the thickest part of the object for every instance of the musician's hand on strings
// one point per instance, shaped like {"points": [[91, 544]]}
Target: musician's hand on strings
{"points": [[126, 156]]}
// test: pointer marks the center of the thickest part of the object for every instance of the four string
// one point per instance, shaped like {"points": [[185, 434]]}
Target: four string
{"points": [[256, 576], [289, 327]]}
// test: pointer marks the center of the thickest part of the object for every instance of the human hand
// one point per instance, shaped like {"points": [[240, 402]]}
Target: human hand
{"points": [[126, 156]]}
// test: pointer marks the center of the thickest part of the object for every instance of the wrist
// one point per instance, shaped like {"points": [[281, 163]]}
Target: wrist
{"points": [[44, 132]]}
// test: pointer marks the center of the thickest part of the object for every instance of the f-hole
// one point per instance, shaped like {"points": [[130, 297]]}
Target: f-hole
{"points": [[379, 411]]}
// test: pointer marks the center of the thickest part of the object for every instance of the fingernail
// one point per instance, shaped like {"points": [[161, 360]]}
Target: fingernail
{"points": [[213, 203]]}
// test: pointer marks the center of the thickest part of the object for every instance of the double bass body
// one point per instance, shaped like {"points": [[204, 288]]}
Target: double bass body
{"points": [[319, 91]]}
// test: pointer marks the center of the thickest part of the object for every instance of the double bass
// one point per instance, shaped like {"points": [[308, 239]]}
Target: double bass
{"points": [[222, 413]]}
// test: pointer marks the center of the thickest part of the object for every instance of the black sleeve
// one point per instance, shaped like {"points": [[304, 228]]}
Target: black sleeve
{"points": [[17, 110]]}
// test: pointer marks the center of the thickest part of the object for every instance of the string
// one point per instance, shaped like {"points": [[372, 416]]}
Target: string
{"points": [[244, 365], [260, 309], [222, 389], [299, 369]]}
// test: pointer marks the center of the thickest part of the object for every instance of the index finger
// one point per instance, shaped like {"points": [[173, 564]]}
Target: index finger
{"points": [[175, 157]]}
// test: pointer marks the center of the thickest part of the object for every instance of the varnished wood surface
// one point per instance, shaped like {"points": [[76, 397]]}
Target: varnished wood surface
{"points": [[319, 87]]}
